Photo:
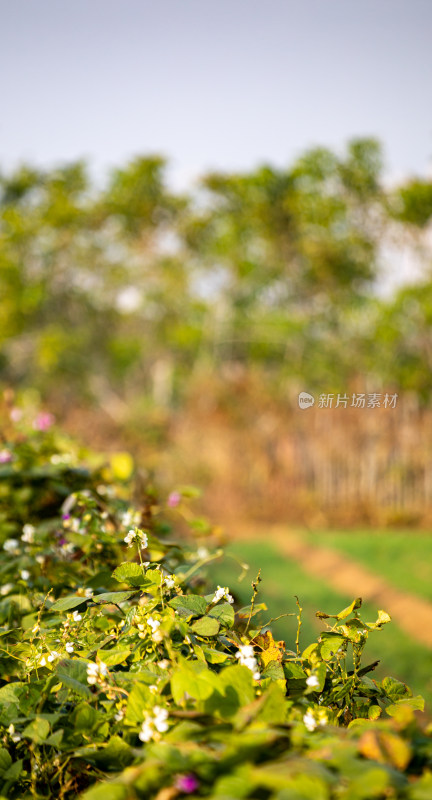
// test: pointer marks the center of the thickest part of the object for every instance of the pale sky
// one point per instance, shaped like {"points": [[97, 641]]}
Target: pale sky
{"points": [[223, 84]]}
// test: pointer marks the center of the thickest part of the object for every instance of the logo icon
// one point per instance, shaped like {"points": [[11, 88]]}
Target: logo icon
{"points": [[306, 400]]}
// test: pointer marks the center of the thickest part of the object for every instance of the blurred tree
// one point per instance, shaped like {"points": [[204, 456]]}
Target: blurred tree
{"points": [[121, 290]]}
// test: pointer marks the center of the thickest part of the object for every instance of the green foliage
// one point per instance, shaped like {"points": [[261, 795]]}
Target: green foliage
{"points": [[116, 292], [123, 694]]}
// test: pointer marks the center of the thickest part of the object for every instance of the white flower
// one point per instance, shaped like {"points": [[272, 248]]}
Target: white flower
{"points": [[5, 589], [309, 720], [119, 716], [164, 664], [36, 628], [14, 736], [160, 719], [53, 655], [154, 724], [40, 560], [153, 688], [153, 624], [202, 553], [130, 517], [135, 535], [28, 534], [11, 545], [42, 661], [69, 647], [76, 616], [222, 592], [25, 574], [95, 672], [312, 681], [157, 636], [169, 582], [246, 657], [312, 721]]}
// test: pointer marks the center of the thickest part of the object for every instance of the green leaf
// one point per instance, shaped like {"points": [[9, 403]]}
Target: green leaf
{"points": [[342, 614], [294, 670], [214, 656], [84, 717], [14, 771], [237, 680], [10, 693], [193, 680], [130, 573], [349, 609], [415, 703], [112, 597], [395, 689], [73, 674], [330, 645], [193, 604], [55, 739], [114, 755], [138, 701], [37, 730], [106, 791], [5, 760], [206, 626], [66, 603], [274, 670], [224, 612], [113, 657]]}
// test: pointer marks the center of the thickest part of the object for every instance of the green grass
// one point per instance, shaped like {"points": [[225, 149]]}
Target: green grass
{"points": [[404, 559], [400, 656]]}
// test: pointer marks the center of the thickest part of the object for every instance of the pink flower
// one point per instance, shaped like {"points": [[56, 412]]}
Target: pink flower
{"points": [[15, 414], [174, 499], [5, 456], [43, 421], [187, 783]]}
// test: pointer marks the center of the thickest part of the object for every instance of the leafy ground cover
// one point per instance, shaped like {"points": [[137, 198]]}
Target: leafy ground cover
{"points": [[127, 672], [283, 578]]}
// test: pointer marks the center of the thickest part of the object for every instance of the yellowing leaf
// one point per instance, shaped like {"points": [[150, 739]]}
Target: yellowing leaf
{"points": [[269, 649], [387, 748]]}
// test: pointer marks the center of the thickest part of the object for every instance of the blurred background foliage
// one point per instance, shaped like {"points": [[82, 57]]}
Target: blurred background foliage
{"points": [[138, 302], [130, 286]]}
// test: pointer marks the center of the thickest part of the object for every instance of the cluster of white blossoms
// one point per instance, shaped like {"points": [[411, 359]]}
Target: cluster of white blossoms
{"points": [[11, 545], [314, 719], [154, 624], [312, 681], [28, 534], [169, 581], [130, 517], [222, 592], [246, 657], [96, 672], [154, 724], [135, 536]]}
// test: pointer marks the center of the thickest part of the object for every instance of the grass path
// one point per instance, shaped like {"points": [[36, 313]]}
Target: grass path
{"points": [[412, 613]]}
